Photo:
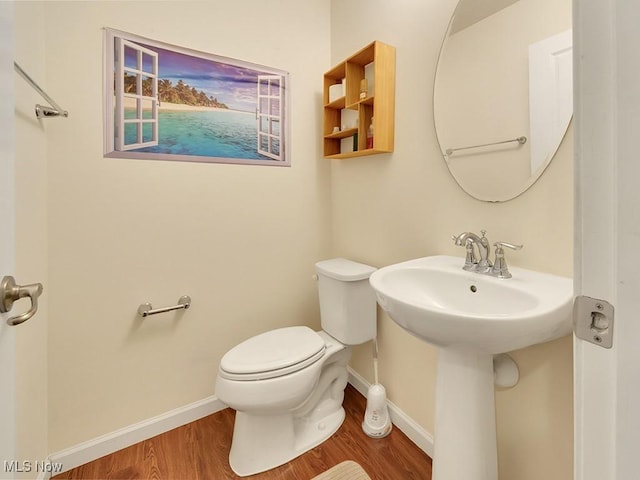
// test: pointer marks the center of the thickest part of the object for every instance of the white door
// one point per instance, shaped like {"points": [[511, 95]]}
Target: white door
{"points": [[550, 95], [607, 264], [7, 334]]}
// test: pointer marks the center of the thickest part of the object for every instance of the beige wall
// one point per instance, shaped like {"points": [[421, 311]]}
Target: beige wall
{"points": [[404, 205], [240, 240], [31, 238]]}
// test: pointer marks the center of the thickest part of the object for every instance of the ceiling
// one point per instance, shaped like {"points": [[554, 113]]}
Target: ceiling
{"points": [[469, 12]]}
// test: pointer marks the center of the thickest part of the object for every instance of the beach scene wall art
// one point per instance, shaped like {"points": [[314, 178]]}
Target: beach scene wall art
{"points": [[164, 102]]}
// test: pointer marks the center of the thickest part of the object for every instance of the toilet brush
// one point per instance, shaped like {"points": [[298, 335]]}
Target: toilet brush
{"points": [[376, 423]]}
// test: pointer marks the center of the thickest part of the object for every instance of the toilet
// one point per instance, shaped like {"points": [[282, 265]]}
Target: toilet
{"points": [[287, 385]]}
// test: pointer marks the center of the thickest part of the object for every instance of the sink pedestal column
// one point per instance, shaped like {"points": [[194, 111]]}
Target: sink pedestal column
{"points": [[465, 424]]}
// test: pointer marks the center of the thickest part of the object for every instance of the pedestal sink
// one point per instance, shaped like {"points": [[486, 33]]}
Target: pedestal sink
{"points": [[471, 317]]}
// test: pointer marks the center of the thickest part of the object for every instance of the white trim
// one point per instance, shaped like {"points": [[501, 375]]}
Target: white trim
{"points": [[607, 386], [404, 423], [125, 437], [7, 235], [596, 232]]}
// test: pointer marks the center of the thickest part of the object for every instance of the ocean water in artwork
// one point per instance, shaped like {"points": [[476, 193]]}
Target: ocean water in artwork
{"points": [[207, 133]]}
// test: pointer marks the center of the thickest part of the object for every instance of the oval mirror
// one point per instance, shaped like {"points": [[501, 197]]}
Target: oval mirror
{"points": [[503, 93]]}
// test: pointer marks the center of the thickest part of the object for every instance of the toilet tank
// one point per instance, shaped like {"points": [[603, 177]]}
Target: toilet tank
{"points": [[347, 300]]}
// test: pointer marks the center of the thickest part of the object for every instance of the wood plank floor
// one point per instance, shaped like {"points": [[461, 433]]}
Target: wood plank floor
{"points": [[200, 451]]}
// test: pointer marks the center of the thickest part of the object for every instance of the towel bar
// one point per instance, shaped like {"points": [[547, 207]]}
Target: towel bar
{"points": [[520, 140], [147, 309], [42, 111]]}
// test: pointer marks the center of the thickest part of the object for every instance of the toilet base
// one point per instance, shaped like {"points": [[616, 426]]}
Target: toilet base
{"points": [[264, 442]]}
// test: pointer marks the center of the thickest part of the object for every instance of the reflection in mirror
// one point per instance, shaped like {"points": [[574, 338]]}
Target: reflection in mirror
{"points": [[503, 93]]}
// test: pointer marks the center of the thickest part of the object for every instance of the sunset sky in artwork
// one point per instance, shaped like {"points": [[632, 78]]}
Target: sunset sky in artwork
{"points": [[232, 85]]}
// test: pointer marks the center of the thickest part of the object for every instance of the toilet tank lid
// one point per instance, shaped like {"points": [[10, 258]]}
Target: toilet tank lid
{"points": [[344, 269]]}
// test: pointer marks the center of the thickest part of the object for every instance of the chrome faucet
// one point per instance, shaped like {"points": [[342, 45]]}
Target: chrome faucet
{"points": [[483, 265], [468, 239]]}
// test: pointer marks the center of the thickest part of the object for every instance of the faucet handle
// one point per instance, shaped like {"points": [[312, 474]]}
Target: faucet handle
{"points": [[512, 246], [500, 268], [470, 261]]}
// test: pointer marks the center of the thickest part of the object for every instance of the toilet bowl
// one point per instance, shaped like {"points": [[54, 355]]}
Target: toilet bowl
{"points": [[275, 417], [287, 385]]}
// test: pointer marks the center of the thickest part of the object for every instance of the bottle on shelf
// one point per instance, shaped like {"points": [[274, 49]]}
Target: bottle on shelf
{"points": [[370, 135], [364, 88]]}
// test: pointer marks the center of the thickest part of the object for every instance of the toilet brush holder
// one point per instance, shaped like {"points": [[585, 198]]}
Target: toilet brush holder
{"points": [[376, 423]]}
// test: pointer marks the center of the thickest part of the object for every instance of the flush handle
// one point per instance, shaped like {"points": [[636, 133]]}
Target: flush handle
{"points": [[10, 292]]}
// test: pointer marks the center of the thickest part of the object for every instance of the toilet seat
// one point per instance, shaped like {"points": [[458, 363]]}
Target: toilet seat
{"points": [[273, 354]]}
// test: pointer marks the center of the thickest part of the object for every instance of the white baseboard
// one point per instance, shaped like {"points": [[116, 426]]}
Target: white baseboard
{"points": [[408, 426], [125, 437]]}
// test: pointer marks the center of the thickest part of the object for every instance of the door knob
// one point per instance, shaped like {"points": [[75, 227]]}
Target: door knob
{"points": [[10, 292]]}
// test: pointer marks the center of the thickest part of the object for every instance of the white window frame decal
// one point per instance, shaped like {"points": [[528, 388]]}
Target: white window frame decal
{"points": [[269, 115], [211, 109], [138, 97]]}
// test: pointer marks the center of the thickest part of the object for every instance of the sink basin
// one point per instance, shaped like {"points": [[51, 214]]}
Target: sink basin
{"points": [[471, 317], [436, 300]]}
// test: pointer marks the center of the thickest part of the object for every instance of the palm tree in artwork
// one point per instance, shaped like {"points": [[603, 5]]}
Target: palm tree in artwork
{"points": [[164, 88]]}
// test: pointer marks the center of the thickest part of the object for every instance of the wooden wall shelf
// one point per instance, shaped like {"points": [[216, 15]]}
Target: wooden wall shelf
{"points": [[375, 62]]}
